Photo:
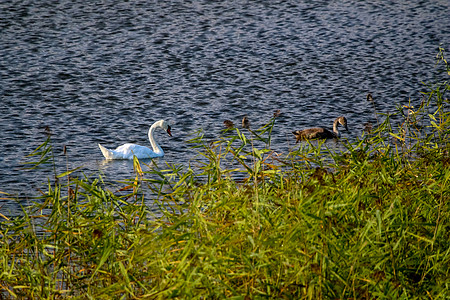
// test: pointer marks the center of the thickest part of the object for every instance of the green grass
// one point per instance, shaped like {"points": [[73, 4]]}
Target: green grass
{"points": [[243, 222]]}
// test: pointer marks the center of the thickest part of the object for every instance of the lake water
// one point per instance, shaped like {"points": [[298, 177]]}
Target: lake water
{"points": [[104, 71]]}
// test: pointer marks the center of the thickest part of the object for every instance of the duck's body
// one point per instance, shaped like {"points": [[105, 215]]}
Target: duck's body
{"points": [[127, 151], [321, 133]]}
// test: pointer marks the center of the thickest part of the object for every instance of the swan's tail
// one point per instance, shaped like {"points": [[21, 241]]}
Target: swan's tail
{"points": [[106, 152]]}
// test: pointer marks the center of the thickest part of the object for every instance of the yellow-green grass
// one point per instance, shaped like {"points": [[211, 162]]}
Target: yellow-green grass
{"points": [[241, 221]]}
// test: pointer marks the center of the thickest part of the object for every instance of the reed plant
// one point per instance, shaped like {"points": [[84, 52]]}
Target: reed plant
{"points": [[245, 222]]}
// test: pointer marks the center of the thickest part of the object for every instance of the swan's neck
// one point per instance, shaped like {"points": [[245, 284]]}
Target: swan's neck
{"points": [[156, 148], [335, 128]]}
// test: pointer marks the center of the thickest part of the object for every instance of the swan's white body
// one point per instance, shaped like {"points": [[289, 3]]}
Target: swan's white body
{"points": [[127, 151]]}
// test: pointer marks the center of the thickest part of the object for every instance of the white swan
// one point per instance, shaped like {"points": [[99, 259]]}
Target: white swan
{"points": [[127, 151]]}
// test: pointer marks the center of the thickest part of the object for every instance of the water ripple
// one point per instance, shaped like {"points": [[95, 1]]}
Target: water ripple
{"points": [[104, 71]]}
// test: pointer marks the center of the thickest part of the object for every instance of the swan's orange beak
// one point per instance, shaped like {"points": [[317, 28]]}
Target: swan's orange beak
{"points": [[168, 131]]}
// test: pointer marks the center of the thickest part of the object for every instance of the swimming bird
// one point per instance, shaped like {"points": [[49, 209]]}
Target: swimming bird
{"points": [[228, 124], [245, 122], [127, 151], [277, 113], [321, 133], [368, 127]]}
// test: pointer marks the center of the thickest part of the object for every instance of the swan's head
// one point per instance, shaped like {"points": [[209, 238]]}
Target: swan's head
{"points": [[166, 127], [343, 122], [162, 124]]}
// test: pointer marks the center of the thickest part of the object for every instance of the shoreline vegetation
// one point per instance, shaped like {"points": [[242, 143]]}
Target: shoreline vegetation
{"points": [[371, 221]]}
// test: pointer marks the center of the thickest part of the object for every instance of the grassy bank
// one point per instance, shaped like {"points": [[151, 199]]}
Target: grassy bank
{"points": [[244, 222]]}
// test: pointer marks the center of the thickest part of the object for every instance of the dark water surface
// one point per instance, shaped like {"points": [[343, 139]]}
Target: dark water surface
{"points": [[104, 71]]}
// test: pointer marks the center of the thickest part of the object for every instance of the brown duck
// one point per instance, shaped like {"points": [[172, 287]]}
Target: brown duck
{"points": [[321, 133]]}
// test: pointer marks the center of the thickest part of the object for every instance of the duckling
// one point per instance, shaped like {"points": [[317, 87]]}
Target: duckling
{"points": [[277, 113], [245, 122], [228, 124]]}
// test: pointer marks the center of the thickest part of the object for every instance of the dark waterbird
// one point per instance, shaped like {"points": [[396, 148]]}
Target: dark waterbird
{"points": [[228, 124], [245, 122], [321, 133]]}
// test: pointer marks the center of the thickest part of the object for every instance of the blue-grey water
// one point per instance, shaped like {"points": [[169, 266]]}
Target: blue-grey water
{"points": [[104, 71]]}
